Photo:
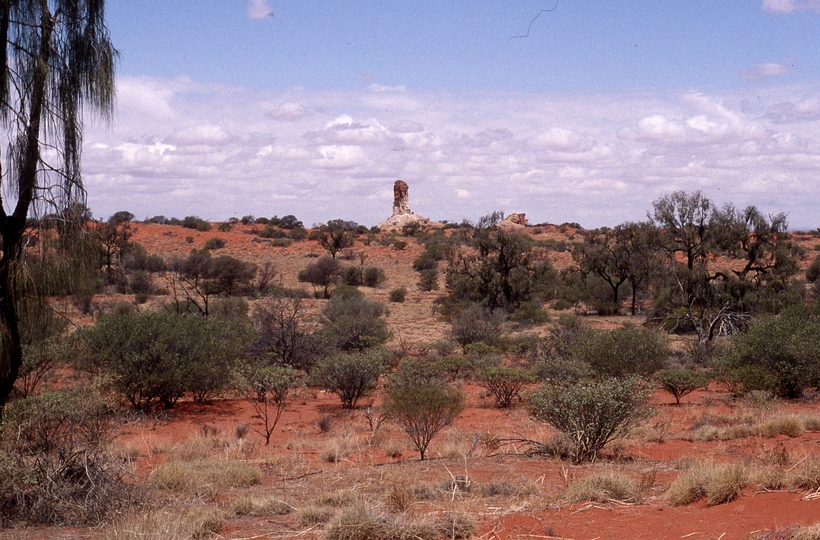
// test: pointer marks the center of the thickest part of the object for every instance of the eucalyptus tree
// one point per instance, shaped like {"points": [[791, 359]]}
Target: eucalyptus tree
{"points": [[57, 61]]}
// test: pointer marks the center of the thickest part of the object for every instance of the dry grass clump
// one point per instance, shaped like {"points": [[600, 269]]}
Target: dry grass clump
{"points": [[457, 525], [726, 484], [400, 497], [719, 484], [808, 532], [205, 476], [604, 487], [340, 447], [259, 506], [200, 522], [790, 425], [313, 515], [362, 522], [805, 474], [336, 499], [769, 477]]}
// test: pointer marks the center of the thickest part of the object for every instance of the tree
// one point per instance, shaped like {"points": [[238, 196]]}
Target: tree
{"points": [[680, 382], [336, 235], [499, 270], [283, 333], [325, 273], [269, 390], [684, 219], [57, 59]]}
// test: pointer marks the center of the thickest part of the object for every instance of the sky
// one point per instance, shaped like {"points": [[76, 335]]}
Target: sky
{"points": [[567, 110]]}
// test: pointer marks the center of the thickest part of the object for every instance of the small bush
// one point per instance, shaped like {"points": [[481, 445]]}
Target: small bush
{"points": [[214, 243], [591, 414], [505, 383], [680, 382], [561, 370], [428, 280], [354, 323], [399, 245], [398, 295], [373, 276], [422, 410], [622, 352], [476, 324], [349, 376], [604, 487]]}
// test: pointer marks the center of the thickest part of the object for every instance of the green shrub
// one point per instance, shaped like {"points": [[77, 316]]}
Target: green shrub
{"points": [[428, 280], [456, 367], [354, 323], [591, 414], [399, 245], [349, 376], [505, 383], [778, 354], [558, 370], [214, 243], [155, 358], [398, 295], [373, 276], [422, 410], [269, 390], [621, 352], [680, 382], [476, 324]]}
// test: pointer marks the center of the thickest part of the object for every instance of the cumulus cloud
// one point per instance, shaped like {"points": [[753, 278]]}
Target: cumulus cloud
{"points": [[180, 147], [259, 9], [763, 71]]}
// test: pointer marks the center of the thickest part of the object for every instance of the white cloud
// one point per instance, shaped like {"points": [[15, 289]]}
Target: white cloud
{"points": [[259, 9], [791, 6], [763, 71], [178, 147]]}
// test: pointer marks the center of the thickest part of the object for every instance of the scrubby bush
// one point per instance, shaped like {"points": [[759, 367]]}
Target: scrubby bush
{"points": [[680, 382], [428, 280], [560, 370], [214, 243], [373, 276], [349, 376], [398, 295], [269, 390], [505, 383], [591, 414], [325, 273], [353, 323], [54, 467], [423, 409], [154, 358], [621, 352], [283, 333], [477, 324], [777, 354]]}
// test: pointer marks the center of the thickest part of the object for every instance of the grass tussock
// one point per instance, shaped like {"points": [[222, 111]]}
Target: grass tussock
{"points": [[791, 425], [604, 487], [719, 484], [199, 523], [204, 477], [312, 515], [805, 474], [259, 507], [808, 532]]}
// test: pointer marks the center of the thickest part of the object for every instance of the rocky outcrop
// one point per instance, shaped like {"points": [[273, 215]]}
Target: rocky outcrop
{"points": [[514, 221], [402, 215]]}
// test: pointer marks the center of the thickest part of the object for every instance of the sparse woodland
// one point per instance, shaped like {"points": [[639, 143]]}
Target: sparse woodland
{"points": [[445, 358]]}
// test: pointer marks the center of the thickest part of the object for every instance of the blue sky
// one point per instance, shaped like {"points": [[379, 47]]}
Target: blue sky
{"points": [[315, 108]]}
